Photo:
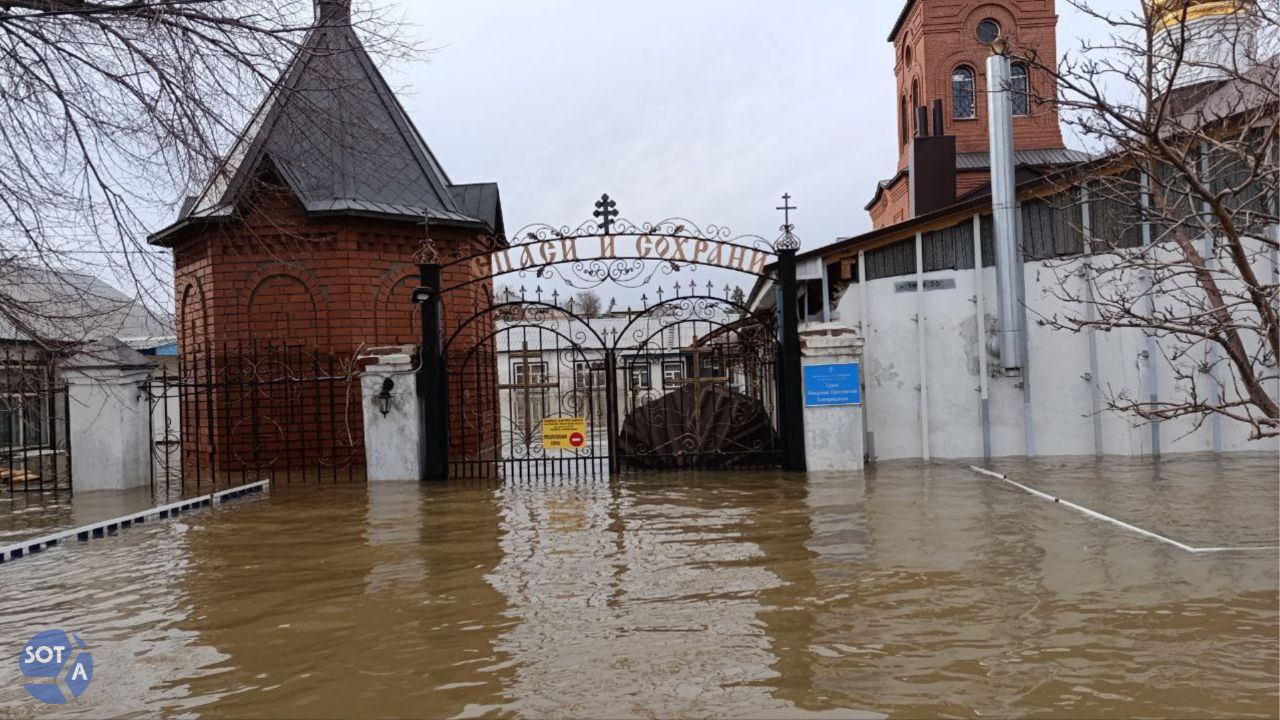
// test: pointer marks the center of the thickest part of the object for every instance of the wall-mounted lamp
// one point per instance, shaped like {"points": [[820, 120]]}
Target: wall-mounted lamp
{"points": [[384, 397]]}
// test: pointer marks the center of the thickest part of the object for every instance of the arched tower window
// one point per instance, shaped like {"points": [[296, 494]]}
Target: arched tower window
{"points": [[1020, 89], [963, 95], [903, 120], [915, 103]]}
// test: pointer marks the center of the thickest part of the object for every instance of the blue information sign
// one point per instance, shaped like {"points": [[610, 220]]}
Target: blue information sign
{"points": [[832, 385]]}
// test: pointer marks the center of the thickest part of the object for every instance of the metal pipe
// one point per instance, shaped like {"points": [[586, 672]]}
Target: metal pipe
{"points": [[826, 294], [1091, 311], [921, 357], [1153, 377], [979, 300], [1211, 263], [868, 437], [1004, 209], [1028, 410], [1215, 420], [862, 294]]}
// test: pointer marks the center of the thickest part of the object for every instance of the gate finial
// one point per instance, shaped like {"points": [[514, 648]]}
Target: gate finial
{"points": [[427, 253]]}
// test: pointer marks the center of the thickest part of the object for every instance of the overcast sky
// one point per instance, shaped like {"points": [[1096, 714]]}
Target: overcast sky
{"points": [[706, 109]]}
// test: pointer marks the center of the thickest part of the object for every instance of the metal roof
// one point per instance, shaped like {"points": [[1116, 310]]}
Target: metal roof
{"points": [[54, 306], [1031, 158], [1035, 158], [335, 134]]}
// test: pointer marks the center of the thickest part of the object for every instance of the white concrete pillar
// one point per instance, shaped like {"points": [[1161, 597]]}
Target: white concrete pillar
{"points": [[109, 417], [392, 442], [833, 415]]}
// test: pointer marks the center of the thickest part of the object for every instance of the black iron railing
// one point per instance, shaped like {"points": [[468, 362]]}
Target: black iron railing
{"points": [[35, 453], [238, 413]]}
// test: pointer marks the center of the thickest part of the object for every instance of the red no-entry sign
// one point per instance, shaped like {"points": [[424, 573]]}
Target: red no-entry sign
{"points": [[576, 439]]}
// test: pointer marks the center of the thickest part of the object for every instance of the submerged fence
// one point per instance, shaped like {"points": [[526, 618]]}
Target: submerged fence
{"points": [[243, 412]]}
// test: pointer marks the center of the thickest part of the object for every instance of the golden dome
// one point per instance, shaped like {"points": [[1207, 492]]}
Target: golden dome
{"points": [[1174, 12]]}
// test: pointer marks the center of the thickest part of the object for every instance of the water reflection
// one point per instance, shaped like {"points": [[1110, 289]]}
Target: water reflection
{"points": [[377, 603], [670, 573], [915, 590], [30, 515]]}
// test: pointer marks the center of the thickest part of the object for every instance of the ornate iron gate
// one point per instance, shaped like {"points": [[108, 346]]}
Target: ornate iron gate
{"points": [[535, 385]]}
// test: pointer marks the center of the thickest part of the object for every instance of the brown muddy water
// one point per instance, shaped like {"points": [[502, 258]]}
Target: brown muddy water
{"points": [[915, 590]]}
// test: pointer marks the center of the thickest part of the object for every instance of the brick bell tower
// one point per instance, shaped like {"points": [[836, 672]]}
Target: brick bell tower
{"points": [[940, 53], [306, 236]]}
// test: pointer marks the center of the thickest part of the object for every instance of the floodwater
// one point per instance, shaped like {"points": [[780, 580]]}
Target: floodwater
{"points": [[916, 590]]}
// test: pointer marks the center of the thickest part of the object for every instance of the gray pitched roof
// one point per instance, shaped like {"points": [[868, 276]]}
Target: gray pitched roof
{"points": [[55, 307], [108, 353], [333, 131], [1031, 158], [1035, 158]]}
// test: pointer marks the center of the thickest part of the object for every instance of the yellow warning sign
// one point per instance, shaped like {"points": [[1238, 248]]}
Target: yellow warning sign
{"points": [[564, 433]]}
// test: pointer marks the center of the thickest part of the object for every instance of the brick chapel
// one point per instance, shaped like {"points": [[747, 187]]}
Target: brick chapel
{"points": [[307, 235], [940, 52]]}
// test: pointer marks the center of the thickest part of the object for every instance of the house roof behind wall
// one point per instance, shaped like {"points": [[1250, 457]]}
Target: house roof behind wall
{"points": [[48, 306]]}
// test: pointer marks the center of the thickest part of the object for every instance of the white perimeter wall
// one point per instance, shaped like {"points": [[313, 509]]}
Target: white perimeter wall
{"points": [[1061, 396]]}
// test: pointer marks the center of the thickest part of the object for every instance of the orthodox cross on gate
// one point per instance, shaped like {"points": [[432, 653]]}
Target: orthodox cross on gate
{"points": [[786, 207], [606, 210], [788, 240], [527, 386]]}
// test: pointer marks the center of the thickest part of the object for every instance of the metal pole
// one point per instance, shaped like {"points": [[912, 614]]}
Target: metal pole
{"points": [[611, 408], [791, 385], [1153, 368], [1091, 310], [979, 299], [431, 383], [1004, 209], [1211, 263], [868, 436], [826, 295], [921, 356]]}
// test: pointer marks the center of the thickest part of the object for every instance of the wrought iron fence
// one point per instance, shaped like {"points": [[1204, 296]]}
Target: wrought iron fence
{"points": [[238, 413], [35, 458]]}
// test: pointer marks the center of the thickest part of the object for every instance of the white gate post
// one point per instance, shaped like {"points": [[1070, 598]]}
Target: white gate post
{"points": [[109, 417], [833, 438], [392, 441]]}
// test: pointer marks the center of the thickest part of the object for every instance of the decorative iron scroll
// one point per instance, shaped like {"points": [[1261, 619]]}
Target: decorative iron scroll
{"points": [[685, 381], [613, 249], [241, 412]]}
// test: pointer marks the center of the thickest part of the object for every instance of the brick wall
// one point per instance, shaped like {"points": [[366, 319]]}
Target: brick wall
{"points": [[326, 286], [938, 36], [894, 204], [941, 35]]}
